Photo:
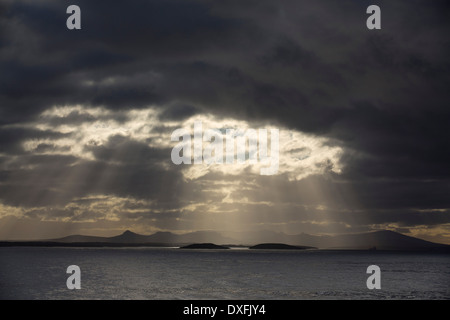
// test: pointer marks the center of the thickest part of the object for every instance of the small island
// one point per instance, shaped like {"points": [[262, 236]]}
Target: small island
{"points": [[204, 246], [279, 246]]}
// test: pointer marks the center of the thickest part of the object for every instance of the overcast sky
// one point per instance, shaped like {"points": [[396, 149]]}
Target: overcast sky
{"points": [[86, 116]]}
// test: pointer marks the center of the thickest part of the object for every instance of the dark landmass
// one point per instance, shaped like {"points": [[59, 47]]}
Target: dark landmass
{"points": [[79, 244], [279, 246], [204, 246], [167, 238], [379, 240], [374, 241]]}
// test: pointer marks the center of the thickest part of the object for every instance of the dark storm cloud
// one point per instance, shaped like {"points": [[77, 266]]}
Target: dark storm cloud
{"points": [[117, 40], [11, 139], [56, 180], [125, 150], [178, 111], [311, 66]]}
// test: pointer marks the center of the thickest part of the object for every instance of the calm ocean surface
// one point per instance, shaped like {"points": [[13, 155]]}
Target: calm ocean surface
{"points": [[169, 273]]}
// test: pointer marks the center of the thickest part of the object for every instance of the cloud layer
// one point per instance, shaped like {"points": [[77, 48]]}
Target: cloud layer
{"points": [[86, 116]]}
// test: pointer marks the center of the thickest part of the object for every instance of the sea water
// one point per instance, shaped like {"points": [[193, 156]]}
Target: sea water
{"points": [[172, 273]]}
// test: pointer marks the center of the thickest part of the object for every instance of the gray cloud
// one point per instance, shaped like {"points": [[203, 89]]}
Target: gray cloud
{"points": [[124, 150], [382, 96]]}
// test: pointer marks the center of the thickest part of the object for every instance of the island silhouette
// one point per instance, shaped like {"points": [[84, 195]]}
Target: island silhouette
{"points": [[279, 246], [204, 246]]}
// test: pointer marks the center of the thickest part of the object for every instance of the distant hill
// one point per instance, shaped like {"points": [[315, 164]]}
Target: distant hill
{"points": [[80, 238], [380, 240], [156, 238], [383, 240]]}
